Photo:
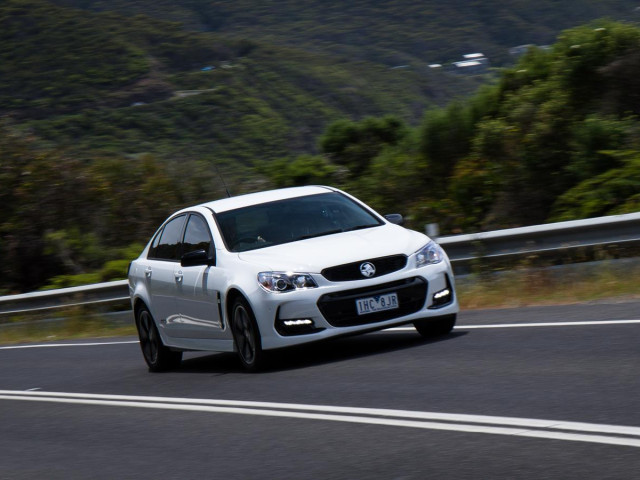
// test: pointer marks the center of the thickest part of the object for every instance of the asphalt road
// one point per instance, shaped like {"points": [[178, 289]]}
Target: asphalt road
{"points": [[558, 399]]}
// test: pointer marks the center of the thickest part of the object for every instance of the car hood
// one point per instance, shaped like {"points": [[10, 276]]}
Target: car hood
{"points": [[314, 254]]}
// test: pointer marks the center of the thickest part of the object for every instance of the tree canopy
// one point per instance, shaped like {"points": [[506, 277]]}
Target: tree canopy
{"points": [[556, 137]]}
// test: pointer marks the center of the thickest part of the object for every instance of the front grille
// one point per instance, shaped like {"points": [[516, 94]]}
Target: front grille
{"points": [[339, 309], [351, 271]]}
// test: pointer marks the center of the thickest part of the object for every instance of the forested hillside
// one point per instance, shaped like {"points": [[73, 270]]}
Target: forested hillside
{"points": [[393, 32], [109, 122], [557, 138], [136, 85], [110, 119]]}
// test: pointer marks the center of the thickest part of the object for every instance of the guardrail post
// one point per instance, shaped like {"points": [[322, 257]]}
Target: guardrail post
{"points": [[432, 230]]}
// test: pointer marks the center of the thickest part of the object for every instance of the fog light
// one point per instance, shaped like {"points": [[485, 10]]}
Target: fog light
{"points": [[297, 323], [441, 294], [295, 326], [442, 297]]}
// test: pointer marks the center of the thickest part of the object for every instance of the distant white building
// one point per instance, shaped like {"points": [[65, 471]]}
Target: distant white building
{"points": [[467, 63], [472, 63]]}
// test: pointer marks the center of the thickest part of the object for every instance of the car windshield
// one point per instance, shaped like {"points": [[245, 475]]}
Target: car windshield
{"points": [[284, 221]]}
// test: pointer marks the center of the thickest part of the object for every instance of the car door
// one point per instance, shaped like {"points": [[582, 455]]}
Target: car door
{"points": [[197, 301], [160, 271]]}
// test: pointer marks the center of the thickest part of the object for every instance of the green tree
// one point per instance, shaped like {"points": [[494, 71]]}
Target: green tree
{"points": [[303, 170], [615, 191], [592, 138], [355, 144], [582, 52], [546, 132], [446, 136], [41, 191]]}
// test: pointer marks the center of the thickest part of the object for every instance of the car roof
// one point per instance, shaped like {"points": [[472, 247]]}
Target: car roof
{"points": [[249, 199]]}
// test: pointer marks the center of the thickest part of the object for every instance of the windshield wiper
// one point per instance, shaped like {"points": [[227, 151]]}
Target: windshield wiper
{"points": [[319, 234], [337, 230], [360, 227]]}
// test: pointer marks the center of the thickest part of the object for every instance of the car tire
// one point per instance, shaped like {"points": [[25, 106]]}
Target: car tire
{"points": [[435, 327], [159, 358], [246, 336]]}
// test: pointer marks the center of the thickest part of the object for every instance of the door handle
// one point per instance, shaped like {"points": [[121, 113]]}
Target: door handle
{"points": [[178, 276], [147, 272]]}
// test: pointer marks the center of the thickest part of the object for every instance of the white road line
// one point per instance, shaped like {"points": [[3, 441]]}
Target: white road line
{"points": [[523, 325], [522, 427], [52, 345], [552, 324], [393, 329]]}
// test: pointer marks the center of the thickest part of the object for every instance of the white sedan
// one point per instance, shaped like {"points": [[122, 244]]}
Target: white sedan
{"points": [[284, 267]]}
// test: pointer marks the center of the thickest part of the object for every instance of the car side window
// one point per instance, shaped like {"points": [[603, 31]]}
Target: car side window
{"points": [[154, 245], [167, 248], [196, 235]]}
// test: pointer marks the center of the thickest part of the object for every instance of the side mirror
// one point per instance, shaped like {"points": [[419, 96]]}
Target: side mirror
{"points": [[196, 258], [395, 218]]}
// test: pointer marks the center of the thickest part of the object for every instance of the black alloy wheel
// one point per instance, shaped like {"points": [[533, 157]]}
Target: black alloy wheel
{"points": [[159, 358], [246, 336]]}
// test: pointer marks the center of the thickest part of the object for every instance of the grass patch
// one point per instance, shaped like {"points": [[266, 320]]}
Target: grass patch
{"points": [[567, 284], [64, 325], [64, 331]]}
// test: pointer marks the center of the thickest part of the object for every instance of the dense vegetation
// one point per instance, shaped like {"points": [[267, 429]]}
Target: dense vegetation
{"points": [[111, 121], [133, 84], [127, 118], [556, 138], [393, 32]]}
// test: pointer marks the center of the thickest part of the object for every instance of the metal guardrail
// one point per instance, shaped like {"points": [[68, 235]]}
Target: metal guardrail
{"points": [[553, 237], [541, 239], [107, 293]]}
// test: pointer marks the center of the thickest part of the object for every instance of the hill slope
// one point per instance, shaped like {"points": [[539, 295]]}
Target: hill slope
{"points": [[393, 33], [107, 82]]}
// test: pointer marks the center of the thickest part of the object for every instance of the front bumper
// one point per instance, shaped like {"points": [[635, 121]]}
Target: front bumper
{"points": [[339, 308], [298, 317]]}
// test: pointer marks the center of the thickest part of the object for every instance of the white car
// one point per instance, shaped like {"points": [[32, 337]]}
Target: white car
{"points": [[284, 267]]}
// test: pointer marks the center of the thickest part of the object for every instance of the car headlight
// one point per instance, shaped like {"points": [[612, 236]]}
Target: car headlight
{"points": [[285, 281], [430, 254]]}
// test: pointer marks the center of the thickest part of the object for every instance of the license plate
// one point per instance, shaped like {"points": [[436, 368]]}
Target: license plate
{"points": [[379, 303]]}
